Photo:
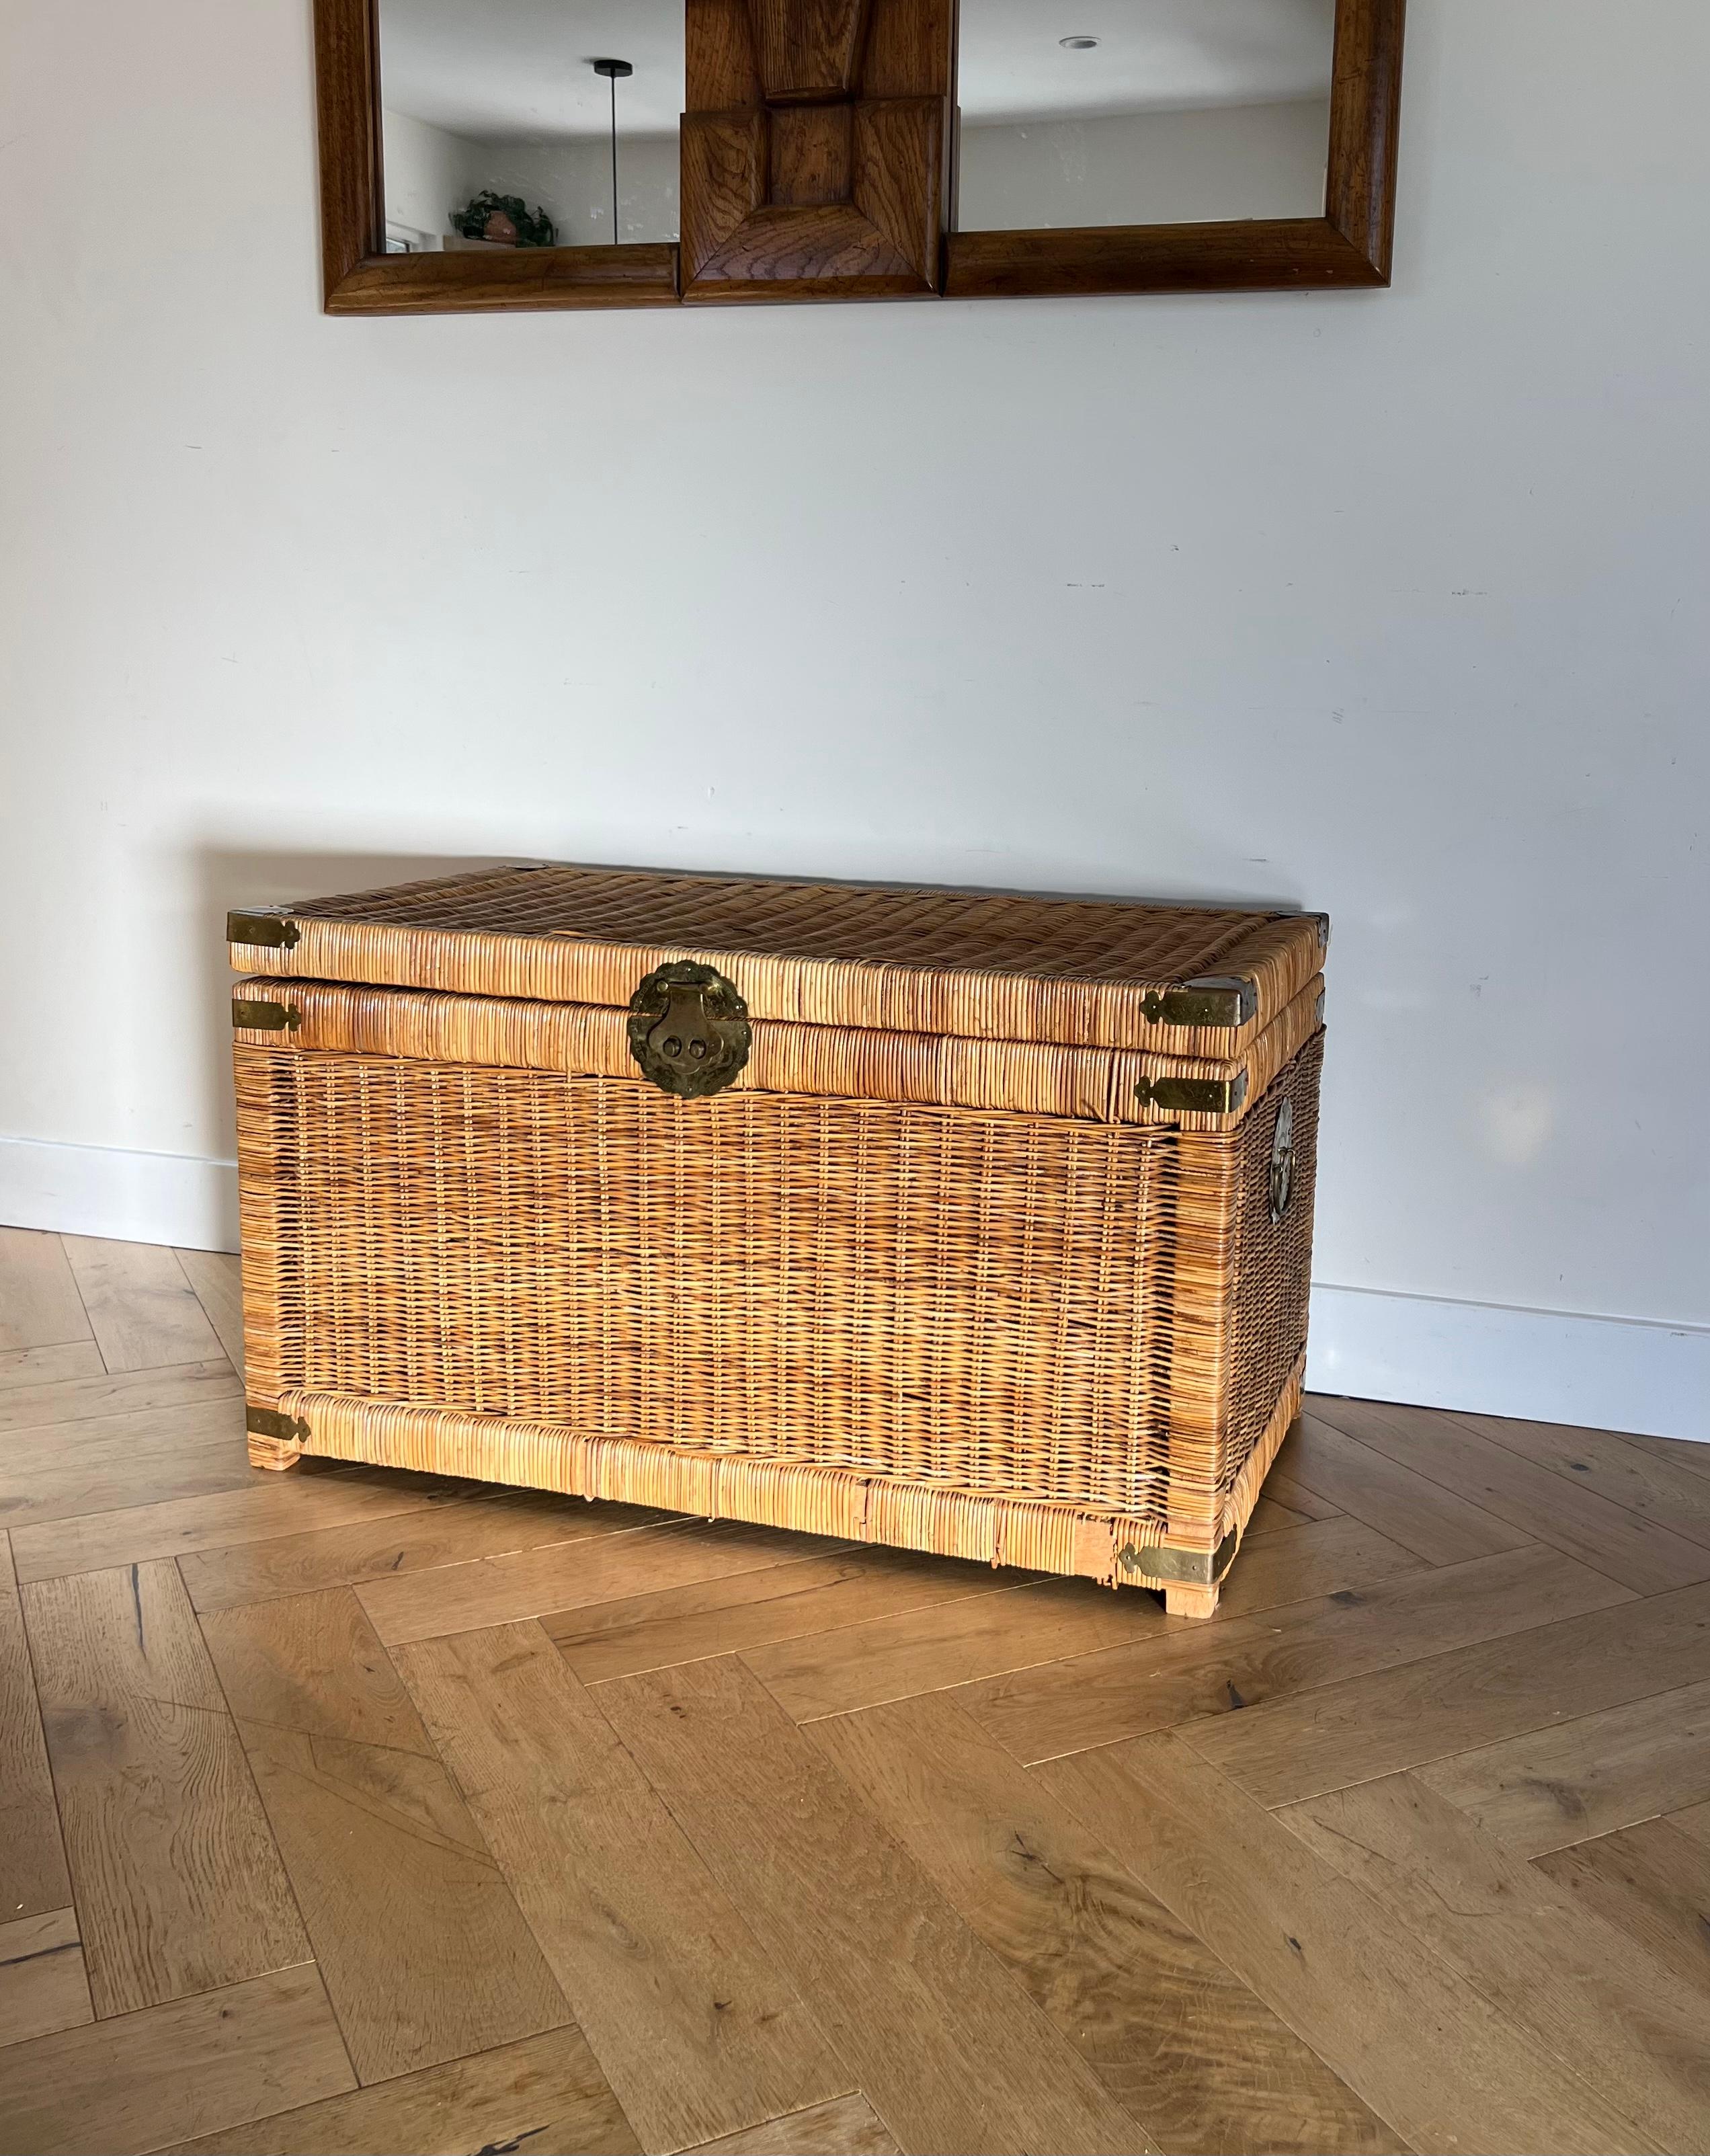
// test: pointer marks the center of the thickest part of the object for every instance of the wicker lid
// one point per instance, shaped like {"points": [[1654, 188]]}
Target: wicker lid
{"points": [[1098, 971]]}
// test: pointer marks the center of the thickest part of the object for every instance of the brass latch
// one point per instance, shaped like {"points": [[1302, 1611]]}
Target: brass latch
{"points": [[265, 1017], [689, 1030], [271, 932], [1213, 1000], [1194, 1096]]}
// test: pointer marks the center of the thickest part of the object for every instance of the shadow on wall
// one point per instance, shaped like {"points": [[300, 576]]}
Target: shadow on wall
{"points": [[225, 877]]}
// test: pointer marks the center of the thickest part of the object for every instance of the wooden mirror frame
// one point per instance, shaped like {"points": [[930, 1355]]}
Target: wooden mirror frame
{"points": [[359, 277], [1349, 244]]}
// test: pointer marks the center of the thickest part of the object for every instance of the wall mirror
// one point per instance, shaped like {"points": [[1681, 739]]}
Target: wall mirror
{"points": [[570, 107], [494, 154], [1075, 113]]}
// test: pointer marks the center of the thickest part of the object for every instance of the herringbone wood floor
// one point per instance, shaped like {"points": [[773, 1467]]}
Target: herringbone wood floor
{"points": [[349, 1811]]}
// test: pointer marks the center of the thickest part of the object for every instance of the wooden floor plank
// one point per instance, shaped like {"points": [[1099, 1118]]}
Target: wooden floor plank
{"points": [[1682, 1452], [1651, 1882], [919, 1650], [1607, 2010], [33, 1878], [951, 2053], [1548, 1507], [189, 2067], [697, 2033], [424, 1953], [1693, 1820], [1447, 1641], [496, 1522], [845, 2128], [179, 1886], [814, 1595], [49, 1366], [216, 1278], [1224, 1668], [1192, 2054], [1270, 1512], [503, 1590], [1442, 1527], [122, 1391], [1587, 1777], [544, 2096], [39, 1304], [97, 1466], [1424, 2049], [894, 1657], [1402, 1717], [260, 1507], [1655, 1488], [44, 1985], [1281, 1484], [1320, 1557], [143, 1310]]}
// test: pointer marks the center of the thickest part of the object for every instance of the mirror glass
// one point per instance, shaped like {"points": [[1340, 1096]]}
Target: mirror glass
{"points": [[1093, 112], [485, 98]]}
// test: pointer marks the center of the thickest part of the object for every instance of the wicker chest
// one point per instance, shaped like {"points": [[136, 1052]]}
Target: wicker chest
{"points": [[967, 1222]]}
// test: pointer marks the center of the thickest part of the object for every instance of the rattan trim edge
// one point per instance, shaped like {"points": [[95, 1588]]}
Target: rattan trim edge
{"points": [[792, 1495], [1092, 1085]]}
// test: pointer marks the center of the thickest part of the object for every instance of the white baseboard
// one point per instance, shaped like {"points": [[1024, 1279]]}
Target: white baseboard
{"points": [[1541, 1366], [1538, 1365], [125, 1197]]}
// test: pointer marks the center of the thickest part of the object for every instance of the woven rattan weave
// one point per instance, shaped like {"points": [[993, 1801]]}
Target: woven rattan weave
{"points": [[964, 1291]]}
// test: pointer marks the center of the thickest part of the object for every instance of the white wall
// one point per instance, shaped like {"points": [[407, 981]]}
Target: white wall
{"points": [[1146, 167], [429, 172], [1392, 604], [573, 180]]}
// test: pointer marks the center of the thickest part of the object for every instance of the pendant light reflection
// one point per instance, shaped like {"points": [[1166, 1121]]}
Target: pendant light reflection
{"points": [[613, 71]]}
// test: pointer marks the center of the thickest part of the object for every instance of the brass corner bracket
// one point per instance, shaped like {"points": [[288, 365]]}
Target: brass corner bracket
{"points": [[268, 932], [262, 1017], [269, 1422], [1194, 1096], [1213, 1000], [1161, 1566]]}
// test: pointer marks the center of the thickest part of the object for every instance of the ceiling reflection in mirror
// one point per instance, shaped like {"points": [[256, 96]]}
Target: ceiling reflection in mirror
{"points": [[498, 124], [1077, 113]]}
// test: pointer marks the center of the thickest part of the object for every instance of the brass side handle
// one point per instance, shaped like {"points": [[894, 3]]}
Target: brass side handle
{"points": [[1281, 1174]]}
